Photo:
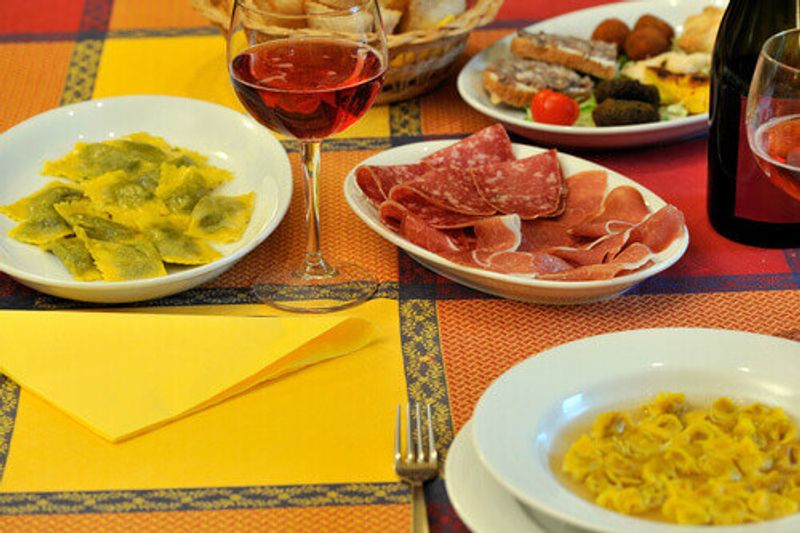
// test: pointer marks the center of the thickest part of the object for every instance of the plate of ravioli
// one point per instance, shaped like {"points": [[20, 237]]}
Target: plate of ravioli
{"points": [[137, 197]]}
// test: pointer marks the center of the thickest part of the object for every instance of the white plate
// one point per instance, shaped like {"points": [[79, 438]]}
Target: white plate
{"points": [[480, 501], [581, 24], [519, 418], [504, 285], [230, 140]]}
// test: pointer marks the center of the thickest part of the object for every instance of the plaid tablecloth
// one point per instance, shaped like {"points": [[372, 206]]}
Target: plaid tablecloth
{"points": [[448, 342]]}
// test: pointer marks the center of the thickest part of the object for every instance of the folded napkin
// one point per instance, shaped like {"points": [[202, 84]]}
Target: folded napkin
{"points": [[122, 374]]}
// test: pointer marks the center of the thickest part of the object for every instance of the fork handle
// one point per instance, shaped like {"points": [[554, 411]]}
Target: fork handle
{"points": [[419, 511]]}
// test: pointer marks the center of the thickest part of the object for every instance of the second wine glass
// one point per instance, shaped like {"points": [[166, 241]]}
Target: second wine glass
{"points": [[308, 76]]}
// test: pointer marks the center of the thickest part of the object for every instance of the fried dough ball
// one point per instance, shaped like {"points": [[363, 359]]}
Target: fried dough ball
{"points": [[651, 21], [612, 31], [645, 42], [614, 112]]}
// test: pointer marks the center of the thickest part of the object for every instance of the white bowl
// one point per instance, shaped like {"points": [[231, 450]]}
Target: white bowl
{"points": [[230, 140], [581, 24], [505, 285], [519, 418]]}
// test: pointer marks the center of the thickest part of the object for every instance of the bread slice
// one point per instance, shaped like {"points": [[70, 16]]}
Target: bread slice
{"points": [[514, 81], [596, 58], [427, 14]]}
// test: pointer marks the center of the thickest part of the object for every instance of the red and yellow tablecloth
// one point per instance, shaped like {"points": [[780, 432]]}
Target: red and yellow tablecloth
{"points": [[311, 452]]}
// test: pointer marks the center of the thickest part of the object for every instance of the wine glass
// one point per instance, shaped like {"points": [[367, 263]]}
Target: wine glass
{"points": [[773, 119], [308, 75]]}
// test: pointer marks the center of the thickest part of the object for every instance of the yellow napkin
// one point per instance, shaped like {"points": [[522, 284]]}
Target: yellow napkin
{"points": [[122, 374]]}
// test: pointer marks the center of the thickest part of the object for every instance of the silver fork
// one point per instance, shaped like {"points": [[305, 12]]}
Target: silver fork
{"points": [[418, 465]]}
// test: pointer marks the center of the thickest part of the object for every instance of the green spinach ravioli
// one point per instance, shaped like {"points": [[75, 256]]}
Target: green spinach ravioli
{"points": [[128, 207]]}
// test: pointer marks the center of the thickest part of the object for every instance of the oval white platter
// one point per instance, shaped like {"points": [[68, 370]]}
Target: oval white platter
{"points": [[509, 286]]}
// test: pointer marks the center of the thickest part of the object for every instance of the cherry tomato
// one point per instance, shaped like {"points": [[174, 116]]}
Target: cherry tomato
{"points": [[551, 107]]}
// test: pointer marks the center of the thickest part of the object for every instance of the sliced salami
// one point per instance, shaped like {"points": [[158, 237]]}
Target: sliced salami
{"points": [[376, 181], [532, 187], [488, 146], [434, 215], [369, 186], [453, 190]]}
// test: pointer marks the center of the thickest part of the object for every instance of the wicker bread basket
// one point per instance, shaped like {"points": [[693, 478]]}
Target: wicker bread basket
{"points": [[418, 60]]}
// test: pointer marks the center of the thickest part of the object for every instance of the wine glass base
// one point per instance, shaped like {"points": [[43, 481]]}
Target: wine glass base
{"points": [[342, 285]]}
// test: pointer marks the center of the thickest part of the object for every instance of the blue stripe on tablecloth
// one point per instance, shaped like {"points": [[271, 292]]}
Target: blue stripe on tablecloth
{"points": [[203, 499]]}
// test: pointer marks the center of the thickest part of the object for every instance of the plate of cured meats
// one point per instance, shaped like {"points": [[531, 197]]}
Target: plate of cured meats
{"points": [[517, 221]]}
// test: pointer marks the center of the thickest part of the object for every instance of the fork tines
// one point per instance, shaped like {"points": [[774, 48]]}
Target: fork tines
{"points": [[415, 452]]}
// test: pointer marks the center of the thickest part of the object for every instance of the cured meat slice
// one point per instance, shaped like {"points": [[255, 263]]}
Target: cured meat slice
{"points": [[531, 264], [622, 209], [453, 190], [660, 229], [585, 193], [392, 214], [369, 186], [376, 181], [519, 263], [431, 214], [498, 234], [487, 146], [602, 250], [543, 233], [634, 257], [422, 234], [532, 187]]}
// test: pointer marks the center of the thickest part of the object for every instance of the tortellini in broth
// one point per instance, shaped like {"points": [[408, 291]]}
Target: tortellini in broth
{"points": [[721, 465], [126, 209]]}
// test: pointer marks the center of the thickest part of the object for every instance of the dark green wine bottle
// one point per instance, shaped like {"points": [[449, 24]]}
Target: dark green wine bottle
{"points": [[742, 205]]}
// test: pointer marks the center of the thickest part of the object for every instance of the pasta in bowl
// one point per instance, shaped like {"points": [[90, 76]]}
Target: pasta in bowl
{"points": [[667, 460], [239, 157], [594, 390]]}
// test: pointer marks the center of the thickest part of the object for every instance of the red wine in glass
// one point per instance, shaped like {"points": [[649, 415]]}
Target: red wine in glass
{"points": [[307, 88], [777, 151]]}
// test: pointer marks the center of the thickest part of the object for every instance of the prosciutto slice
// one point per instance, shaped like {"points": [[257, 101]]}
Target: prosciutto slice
{"points": [[660, 229], [517, 263], [489, 145], [498, 234], [623, 208], [602, 250], [634, 257], [417, 231], [532, 187]]}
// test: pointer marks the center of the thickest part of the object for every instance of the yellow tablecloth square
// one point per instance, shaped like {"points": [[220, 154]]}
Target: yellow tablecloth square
{"points": [[330, 423], [147, 66]]}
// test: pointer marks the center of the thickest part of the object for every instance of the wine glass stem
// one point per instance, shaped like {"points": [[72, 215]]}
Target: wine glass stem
{"points": [[314, 265]]}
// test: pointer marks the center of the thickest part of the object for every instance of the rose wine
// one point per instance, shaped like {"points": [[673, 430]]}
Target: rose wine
{"points": [[777, 152], [743, 203], [308, 89]]}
